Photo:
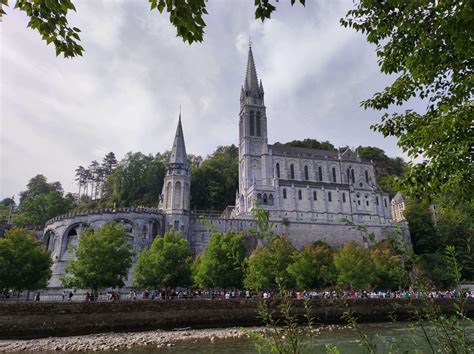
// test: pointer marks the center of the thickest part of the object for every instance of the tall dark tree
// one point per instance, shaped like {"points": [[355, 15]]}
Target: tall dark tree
{"points": [[422, 228]]}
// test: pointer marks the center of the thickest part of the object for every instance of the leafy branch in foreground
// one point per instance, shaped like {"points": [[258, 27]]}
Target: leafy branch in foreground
{"points": [[49, 18], [428, 45]]}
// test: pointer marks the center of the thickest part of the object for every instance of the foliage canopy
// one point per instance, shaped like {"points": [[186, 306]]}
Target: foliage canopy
{"points": [[166, 264], [24, 262], [103, 259]]}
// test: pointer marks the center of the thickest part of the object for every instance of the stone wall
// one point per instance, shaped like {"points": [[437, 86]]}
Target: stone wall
{"points": [[34, 320], [300, 233]]}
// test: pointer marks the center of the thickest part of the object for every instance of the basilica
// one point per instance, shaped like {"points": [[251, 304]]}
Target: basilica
{"points": [[310, 194]]}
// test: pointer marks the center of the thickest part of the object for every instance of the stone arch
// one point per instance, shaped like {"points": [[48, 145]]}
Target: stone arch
{"points": [[306, 172], [49, 239], [177, 195], [320, 173], [72, 234], [334, 176], [292, 171], [277, 170]]}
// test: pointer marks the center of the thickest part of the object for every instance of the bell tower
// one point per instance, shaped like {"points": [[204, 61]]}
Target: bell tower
{"points": [[253, 142], [175, 197]]}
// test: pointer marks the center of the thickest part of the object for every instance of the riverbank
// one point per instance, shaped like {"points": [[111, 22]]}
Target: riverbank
{"points": [[120, 341], [29, 320]]}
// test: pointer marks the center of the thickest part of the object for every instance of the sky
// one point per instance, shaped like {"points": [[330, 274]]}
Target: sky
{"points": [[124, 94]]}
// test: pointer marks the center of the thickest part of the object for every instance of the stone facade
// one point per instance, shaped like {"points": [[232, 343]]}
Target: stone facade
{"points": [[309, 194]]}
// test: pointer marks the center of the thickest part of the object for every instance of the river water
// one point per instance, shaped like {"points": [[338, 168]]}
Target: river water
{"points": [[389, 337]]}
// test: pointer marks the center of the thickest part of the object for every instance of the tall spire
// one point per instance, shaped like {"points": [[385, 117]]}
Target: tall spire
{"points": [[251, 81], [178, 152]]}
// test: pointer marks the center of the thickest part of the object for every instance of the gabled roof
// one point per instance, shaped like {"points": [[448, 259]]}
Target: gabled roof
{"points": [[279, 149]]}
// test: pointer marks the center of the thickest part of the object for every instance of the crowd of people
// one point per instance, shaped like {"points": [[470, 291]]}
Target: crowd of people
{"points": [[146, 294]]}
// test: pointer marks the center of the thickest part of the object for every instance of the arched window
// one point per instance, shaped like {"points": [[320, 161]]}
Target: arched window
{"points": [[300, 195], [343, 197], [277, 170], [366, 177], [284, 193], [385, 202], [168, 196], [259, 129], [177, 195], [270, 200], [348, 175], [306, 173], [353, 176], [377, 200], [259, 199], [329, 197], [367, 202], [334, 174], [252, 123], [292, 171], [315, 195], [320, 173], [265, 199]]}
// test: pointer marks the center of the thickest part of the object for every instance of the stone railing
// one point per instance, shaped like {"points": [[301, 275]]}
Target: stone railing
{"points": [[139, 209]]}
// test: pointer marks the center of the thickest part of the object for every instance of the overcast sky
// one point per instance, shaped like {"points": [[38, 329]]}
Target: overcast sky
{"points": [[124, 93]]}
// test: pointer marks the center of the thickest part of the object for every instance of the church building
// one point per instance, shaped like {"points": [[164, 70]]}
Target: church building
{"points": [[310, 195]]}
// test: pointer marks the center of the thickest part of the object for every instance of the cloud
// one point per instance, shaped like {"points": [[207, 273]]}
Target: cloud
{"points": [[124, 94]]}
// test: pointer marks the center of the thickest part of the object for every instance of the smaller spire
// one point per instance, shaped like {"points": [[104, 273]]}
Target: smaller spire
{"points": [[178, 152]]}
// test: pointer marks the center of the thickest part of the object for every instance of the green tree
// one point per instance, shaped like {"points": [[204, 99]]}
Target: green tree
{"points": [[354, 267], [36, 210], [421, 225], [103, 259], [313, 267], [455, 228], [222, 263], [137, 180], [428, 46], [42, 201], [50, 19], [389, 271], [39, 185], [215, 181], [311, 144], [24, 262], [166, 264], [267, 266]]}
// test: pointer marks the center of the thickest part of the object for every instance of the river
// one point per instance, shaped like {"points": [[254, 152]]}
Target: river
{"points": [[393, 337]]}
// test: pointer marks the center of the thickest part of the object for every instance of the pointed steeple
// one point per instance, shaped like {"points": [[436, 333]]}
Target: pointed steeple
{"points": [[178, 152], [251, 80]]}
